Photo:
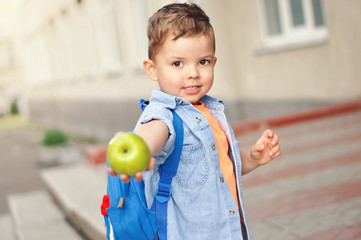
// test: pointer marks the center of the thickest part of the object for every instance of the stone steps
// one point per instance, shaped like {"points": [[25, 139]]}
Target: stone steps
{"points": [[6, 227], [35, 216], [68, 209], [78, 190]]}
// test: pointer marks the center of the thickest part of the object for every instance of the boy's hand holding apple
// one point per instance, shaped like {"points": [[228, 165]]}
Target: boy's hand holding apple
{"points": [[129, 155]]}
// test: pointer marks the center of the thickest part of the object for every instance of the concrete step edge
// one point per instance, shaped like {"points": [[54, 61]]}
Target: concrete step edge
{"points": [[78, 191], [36, 216], [6, 227]]}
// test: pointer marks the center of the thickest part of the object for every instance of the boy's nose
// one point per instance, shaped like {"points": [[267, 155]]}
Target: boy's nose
{"points": [[193, 72]]}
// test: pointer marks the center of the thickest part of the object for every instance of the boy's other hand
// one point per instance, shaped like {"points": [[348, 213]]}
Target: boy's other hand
{"points": [[266, 148]]}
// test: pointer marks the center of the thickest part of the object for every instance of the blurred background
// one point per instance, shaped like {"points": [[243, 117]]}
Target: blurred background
{"points": [[77, 64]]}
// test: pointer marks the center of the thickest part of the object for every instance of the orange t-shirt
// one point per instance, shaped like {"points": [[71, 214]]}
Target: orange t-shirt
{"points": [[225, 162]]}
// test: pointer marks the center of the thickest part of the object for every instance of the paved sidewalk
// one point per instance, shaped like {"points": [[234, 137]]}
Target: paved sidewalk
{"points": [[19, 155], [313, 191]]}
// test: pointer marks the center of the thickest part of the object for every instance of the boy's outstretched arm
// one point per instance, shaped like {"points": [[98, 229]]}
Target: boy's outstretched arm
{"points": [[155, 134], [263, 151]]}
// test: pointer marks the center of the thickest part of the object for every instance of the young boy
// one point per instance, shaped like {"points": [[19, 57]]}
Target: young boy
{"points": [[206, 200]]}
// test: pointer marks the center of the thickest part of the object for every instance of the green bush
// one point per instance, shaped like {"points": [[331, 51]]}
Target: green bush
{"points": [[14, 109], [54, 137]]}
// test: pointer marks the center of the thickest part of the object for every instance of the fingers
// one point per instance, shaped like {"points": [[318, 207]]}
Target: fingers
{"points": [[112, 172], [257, 150], [275, 151], [259, 147], [267, 140], [276, 154], [125, 178], [266, 145], [270, 137], [268, 133], [119, 133], [275, 140], [151, 164], [138, 176], [275, 147]]}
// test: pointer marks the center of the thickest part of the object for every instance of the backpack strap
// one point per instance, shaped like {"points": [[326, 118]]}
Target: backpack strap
{"points": [[143, 104], [167, 172]]}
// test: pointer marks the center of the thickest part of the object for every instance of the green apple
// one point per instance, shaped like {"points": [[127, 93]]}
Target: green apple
{"points": [[128, 154]]}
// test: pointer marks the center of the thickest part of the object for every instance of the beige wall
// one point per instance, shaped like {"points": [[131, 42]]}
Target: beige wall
{"points": [[63, 49], [10, 75], [324, 71], [59, 23], [328, 71]]}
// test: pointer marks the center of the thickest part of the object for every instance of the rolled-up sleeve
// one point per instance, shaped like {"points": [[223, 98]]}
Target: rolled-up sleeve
{"points": [[161, 113]]}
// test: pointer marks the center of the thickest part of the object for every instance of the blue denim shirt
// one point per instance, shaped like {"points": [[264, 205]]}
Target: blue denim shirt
{"points": [[201, 205]]}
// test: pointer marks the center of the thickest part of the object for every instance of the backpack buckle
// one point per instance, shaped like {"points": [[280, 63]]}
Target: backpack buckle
{"points": [[164, 191]]}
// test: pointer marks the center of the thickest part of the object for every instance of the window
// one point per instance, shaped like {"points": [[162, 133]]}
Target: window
{"points": [[288, 24]]}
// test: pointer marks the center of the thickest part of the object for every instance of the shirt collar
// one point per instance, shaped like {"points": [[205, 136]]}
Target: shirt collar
{"points": [[170, 101], [213, 103]]}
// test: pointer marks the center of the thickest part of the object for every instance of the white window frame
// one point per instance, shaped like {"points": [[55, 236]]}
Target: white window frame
{"points": [[291, 36]]}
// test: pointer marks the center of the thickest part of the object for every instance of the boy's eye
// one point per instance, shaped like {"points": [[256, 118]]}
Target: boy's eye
{"points": [[204, 62], [177, 64]]}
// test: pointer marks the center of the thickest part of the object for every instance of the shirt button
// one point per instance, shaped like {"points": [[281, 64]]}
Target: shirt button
{"points": [[198, 119], [232, 212], [213, 147], [221, 179], [180, 101]]}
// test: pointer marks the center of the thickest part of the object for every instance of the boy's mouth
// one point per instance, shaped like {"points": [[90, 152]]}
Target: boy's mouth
{"points": [[192, 89]]}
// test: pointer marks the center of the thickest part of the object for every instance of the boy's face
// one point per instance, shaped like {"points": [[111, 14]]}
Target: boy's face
{"points": [[184, 67]]}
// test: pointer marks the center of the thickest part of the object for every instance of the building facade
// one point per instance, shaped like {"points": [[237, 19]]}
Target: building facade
{"points": [[80, 61]]}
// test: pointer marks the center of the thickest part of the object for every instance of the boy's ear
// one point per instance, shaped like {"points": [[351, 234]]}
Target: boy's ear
{"points": [[149, 67]]}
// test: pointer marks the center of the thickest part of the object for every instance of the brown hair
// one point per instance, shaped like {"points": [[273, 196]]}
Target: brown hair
{"points": [[180, 19]]}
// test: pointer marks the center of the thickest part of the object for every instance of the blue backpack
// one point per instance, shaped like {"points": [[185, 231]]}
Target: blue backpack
{"points": [[124, 208]]}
